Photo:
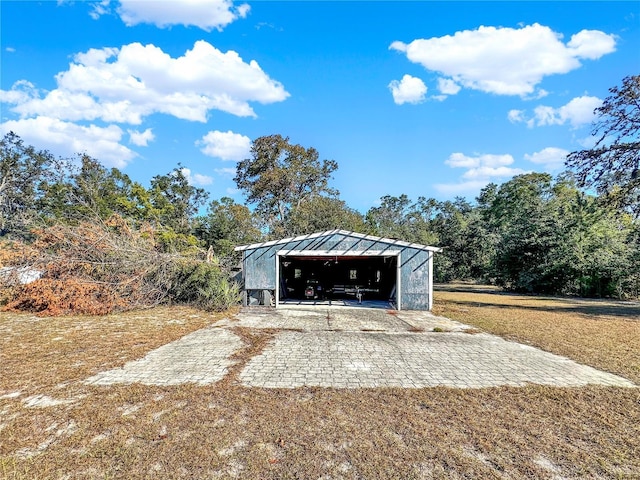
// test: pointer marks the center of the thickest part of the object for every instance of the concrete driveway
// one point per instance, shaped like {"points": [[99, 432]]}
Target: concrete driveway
{"points": [[353, 348]]}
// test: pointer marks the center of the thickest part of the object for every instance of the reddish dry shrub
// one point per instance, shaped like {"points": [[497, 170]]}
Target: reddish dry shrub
{"points": [[105, 266], [90, 268], [57, 297], [16, 253], [13, 254]]}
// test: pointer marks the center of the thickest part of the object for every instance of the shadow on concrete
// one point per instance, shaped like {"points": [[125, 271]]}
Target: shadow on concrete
{"points": [[339, 303]]}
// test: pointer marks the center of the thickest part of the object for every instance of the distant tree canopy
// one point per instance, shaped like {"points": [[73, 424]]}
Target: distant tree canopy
{"points": [[612, 165], [77, 189], [531, 234], [398, 217], [534, 233], [320, 213], [553, 238]]}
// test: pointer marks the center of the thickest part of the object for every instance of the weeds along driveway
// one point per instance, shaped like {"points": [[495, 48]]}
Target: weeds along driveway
{"points": [[351, 348]]}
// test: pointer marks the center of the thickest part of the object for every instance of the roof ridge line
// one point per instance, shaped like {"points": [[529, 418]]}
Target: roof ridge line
{"points": [[362, 236]]}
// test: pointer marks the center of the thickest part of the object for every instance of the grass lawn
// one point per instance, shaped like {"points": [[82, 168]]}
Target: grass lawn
{"points": [[54, 426]]}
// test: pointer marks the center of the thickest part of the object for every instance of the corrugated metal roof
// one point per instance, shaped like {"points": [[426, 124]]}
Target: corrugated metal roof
{"points": [[310, 236]]}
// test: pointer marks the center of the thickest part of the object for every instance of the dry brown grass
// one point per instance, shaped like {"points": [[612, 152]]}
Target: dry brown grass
{"points": [[602, 333], [43, 352], [229, 431]]}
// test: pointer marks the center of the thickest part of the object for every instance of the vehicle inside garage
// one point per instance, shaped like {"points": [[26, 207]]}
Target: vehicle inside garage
{"points": [[339, 277]]}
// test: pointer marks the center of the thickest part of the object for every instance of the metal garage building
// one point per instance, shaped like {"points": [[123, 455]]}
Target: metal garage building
{"points": [[337, 264]]}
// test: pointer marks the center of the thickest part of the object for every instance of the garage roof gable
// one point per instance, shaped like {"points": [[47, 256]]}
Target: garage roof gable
{"points": [[345, 233]]}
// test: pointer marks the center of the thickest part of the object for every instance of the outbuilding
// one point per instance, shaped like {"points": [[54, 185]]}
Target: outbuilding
{"points": [[338, 265]]}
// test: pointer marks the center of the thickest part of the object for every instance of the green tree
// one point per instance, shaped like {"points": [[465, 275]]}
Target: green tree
{"points": [[592, 254], [174, 201], [319, 214], [612, 165], [84, 189], [554, 238], [519, 217], [399, 217], [392, 218], [227, 225], [630, 285], [23, 171], [467, 252], [279, 177]]}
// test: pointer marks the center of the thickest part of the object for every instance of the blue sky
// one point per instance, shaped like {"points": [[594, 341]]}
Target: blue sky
{"points": [[432, 99]]}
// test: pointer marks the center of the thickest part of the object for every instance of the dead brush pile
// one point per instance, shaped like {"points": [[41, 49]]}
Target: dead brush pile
{"points": [[17, 256], [100, 267]]}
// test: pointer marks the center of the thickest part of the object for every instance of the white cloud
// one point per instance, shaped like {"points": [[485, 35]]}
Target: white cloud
{"points": [[99, 9], [22, 91], [484, 172], [516, 116], [225, 145], [461, 187], [540, 93], [226, 172], [448, 86], [127, 84], [196, 178], [577, 112], [480, 170], [204, 14], [408, 90], [67, 139], [591, 44], [199, 179], [459, 160], [587, 142], [505, 61], [10, 49], [141, 139], [551, 158]]}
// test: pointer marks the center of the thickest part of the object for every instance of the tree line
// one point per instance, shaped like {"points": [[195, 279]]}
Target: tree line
{"points": [[576, 234]]}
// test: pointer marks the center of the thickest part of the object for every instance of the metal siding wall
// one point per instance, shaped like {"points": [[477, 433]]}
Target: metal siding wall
{"points": [[260, 273], [414, 273], [260, 265]]}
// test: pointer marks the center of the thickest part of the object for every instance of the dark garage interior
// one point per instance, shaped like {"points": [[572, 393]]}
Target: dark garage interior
{"points": [[340, 277]]}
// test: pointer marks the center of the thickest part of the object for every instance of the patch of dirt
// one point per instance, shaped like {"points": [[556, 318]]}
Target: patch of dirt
{"points": [[255, 340]]}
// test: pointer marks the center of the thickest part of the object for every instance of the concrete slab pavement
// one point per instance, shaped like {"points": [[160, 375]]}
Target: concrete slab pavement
{"points": [[412, 360], [355, 348], [341, 318], [201, 357]]}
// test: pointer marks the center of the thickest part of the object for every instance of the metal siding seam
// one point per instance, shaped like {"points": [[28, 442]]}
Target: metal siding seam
{"points": [[430, 267], [399, 281], [277, 290]]}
